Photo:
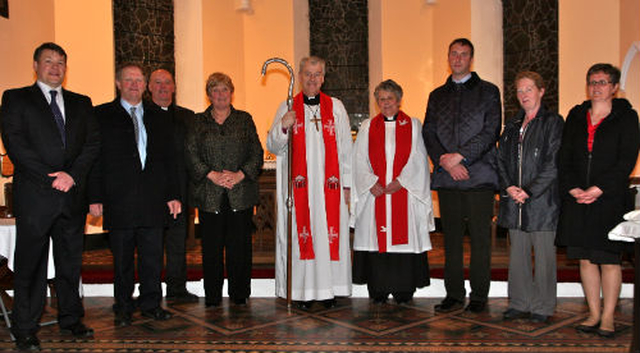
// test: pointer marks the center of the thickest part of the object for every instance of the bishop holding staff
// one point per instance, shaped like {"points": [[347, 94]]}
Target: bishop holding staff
{"points": [[321, 175], [392, 201]]}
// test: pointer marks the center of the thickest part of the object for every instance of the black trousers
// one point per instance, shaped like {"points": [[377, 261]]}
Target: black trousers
{"points": [[470, 210], [33, 233], [175, 245], [231, 231], [148, 242]]}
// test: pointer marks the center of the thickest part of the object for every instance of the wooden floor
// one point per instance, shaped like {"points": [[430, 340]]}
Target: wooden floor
{"points": [[354, 325]]}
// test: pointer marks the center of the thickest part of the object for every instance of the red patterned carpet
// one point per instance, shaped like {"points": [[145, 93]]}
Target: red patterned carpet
{"points": [[354, 325]]}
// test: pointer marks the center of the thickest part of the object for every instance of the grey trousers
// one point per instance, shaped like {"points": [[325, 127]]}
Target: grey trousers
{"points": [[532, 291]]}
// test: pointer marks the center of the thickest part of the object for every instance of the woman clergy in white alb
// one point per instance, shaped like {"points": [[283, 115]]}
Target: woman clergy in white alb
{"points": [[392, 201]]}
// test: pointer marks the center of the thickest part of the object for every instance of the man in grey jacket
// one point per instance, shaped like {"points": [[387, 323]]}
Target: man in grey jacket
{"points": [[461, 127]]}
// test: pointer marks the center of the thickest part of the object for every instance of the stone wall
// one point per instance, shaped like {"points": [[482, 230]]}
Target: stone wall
{"points": [[143, 33], [339, 33], [530, 30]]}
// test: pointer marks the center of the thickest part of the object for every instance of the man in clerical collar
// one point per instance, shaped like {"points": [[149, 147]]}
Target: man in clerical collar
{"points": [[162, 88], [321, 169], [460, 131]]}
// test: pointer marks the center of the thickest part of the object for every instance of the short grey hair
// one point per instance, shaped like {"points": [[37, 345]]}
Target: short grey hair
{"points": [[389, 86], [312, 60]]}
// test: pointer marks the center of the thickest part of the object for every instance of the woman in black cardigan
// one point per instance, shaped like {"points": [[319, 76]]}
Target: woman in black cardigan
{"points": [[224, 158], [598, 152]]}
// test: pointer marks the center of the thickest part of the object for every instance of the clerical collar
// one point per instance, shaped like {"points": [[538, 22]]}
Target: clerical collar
{"points": [[311, 100], [393, 118]]}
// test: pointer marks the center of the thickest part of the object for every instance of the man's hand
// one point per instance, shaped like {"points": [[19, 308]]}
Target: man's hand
{"points": [[392, 187], [95, 209], [62, 182], [347, 195], [175, 208], [288, 119], [377, 190], [458, 172], [449, 160], [451, 163]]}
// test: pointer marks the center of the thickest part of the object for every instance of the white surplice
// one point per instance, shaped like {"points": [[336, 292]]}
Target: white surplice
{"points": [[414, 177], [320, 278]]}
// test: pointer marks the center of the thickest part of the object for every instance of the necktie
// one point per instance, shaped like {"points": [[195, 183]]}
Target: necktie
{"points": [[136, 126], [57, 114], [142, 148]]}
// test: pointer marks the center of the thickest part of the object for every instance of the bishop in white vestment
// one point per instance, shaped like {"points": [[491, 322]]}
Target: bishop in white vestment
{"points": [[392, 201], [321, 174]]}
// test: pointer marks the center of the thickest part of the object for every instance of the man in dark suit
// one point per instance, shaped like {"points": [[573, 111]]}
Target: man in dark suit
{"points": [[134, 183], [162, 88], [52, 138]]}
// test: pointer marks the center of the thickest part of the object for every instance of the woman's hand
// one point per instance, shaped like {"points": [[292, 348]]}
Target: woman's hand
{"points": [[216, 177], [226, 179], [231, 179], [590, 195], [586, 196], [517, 194]]}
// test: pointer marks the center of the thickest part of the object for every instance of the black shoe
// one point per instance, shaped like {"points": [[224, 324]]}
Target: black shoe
{"points": [[512, 314], [212, 302], [380, 299], [538, 318], [27, 343], [476, 306], [182, 297], [122, 319], [329, 303], [588, 328], [448, 305], [402, 298], [304, 305], [239, 301], [606, 333], [78, 330], [158, 314]]}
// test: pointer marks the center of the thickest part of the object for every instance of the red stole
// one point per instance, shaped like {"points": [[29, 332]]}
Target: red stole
{"points": [[399, 199], [300, 179]]}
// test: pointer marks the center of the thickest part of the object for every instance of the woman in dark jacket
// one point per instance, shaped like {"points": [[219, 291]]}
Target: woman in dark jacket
{"points": [[599, 149], [224, 157], [529, 202]]}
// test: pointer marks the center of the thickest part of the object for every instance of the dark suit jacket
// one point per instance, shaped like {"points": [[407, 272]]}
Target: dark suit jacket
{"points": [[32, 139], [132, 196], [180, 118]]}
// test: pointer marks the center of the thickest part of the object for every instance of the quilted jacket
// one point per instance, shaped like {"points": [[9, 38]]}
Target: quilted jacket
{"points": [[464, 118]]}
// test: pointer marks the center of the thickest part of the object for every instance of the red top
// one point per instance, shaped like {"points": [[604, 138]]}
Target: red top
{"points": [[591, 130]]}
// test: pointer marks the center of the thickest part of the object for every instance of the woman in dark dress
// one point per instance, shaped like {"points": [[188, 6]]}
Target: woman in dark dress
{"points": [[224, 157], [598, 152]]}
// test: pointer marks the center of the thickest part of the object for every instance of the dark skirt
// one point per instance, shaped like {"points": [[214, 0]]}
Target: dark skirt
{"points": [[596, 257], [391, 272]]}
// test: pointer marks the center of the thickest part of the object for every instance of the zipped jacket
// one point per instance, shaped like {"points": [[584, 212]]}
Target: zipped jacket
{"points": [[531, 164]]}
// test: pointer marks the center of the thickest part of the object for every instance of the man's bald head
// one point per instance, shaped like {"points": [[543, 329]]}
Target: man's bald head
{"points": [[162, 87]]}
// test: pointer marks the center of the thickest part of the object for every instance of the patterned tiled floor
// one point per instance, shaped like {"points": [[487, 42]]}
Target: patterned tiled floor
{"points": [[354, 325]]}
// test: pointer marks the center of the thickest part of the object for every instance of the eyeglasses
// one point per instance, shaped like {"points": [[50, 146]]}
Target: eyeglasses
{"points": [[599, 83]]}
